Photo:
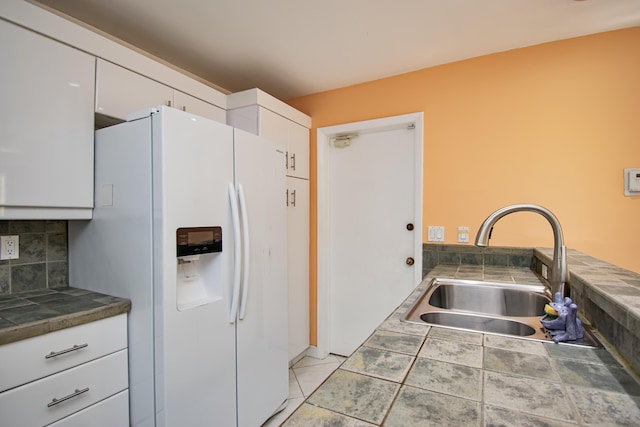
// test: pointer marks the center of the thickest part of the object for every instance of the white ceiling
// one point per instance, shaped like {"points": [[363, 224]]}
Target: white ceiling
{"points": [[291, 48]]}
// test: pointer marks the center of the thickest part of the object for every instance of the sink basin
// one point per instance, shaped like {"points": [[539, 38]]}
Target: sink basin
{"points": [[478, 323], [489, 307], [490, 299]]}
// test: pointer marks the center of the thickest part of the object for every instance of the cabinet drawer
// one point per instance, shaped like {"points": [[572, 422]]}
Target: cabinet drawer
{"points": [[111, 412], [31, 359], [82, 386]]}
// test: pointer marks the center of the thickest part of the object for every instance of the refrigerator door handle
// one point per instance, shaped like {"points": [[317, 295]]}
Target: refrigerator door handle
{"points": [[245, 251], [237, 254]]}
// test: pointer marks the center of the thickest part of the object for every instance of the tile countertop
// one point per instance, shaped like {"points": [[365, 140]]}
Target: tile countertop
{"points": [[408, 375], [608, 296], [29, 314]]}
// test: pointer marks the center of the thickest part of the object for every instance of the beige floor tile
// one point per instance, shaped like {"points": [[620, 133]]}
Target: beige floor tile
{"points": [[311, 376], [279, 418]]}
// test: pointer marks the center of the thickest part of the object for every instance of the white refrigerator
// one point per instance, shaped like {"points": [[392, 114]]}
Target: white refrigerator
{"points": [[190, 224]]}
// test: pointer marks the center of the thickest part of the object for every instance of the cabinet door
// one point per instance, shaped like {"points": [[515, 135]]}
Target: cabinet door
{"points": [[298, 264], [272, 126], [46, 130], [292, 136], [185, 102], [120, 92], [298, 148]]}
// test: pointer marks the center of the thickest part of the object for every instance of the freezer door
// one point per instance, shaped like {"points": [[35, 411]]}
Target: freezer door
{"points": [[262, 320], [194, 340]]}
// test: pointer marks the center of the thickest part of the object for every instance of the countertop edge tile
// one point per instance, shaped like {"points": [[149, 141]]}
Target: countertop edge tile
{"points": [[18, 332]]}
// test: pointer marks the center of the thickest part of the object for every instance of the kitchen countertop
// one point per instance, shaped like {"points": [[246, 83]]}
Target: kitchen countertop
{"points": [[29, 314], [407, 374], [609, 296]]}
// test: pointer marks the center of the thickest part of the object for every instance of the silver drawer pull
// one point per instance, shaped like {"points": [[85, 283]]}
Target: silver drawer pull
{"points": [[68, 350], [55, 401]]}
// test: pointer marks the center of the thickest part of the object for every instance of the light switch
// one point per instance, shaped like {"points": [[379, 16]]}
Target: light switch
{"points": [[463, 234], [632, 182], [435, 233]]}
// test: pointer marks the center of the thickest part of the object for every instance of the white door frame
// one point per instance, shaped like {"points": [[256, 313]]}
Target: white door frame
{"points": [[324, 138]]}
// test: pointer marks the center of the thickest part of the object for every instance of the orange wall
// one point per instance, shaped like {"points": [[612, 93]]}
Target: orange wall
{"points": [[553, 124]]}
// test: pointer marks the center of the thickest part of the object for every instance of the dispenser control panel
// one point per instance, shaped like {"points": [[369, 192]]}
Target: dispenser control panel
{"points": [[198, 240]]}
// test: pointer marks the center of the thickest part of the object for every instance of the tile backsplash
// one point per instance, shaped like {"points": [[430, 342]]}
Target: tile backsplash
{"points": [[43, 256], [437, 254]]}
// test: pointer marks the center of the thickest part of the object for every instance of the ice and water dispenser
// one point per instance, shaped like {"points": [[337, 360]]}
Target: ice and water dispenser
{"points": [[198, 266]]}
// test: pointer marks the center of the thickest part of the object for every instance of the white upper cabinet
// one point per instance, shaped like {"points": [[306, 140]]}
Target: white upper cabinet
{"points": [[293, 137], [46, 127], [185, 102], [120, 92], [264, 115], [52, 88]]}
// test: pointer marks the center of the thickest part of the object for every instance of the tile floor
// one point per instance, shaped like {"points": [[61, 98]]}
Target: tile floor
{"points": [[304, 377]]}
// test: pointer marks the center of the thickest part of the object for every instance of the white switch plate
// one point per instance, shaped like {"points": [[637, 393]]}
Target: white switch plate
{"points": [[632, 182], [463, 234], [435, 233], [9, 247]]}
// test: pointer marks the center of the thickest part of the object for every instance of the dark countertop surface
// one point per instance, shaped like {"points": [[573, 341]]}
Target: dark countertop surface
{"points": [[29, 314]]}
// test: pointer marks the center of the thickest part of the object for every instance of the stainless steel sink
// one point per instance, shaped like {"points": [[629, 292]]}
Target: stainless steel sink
{"points": [[489, 307], [478, 323], [490, 298]]}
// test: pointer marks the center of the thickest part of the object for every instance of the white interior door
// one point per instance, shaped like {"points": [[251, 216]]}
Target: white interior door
{"points": [[372, 247]]}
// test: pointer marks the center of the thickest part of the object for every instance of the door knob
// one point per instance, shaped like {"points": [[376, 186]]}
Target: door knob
{"points": [[409, 261], [409, 226]]}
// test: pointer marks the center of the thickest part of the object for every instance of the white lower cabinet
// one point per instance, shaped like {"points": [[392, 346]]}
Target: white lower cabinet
{"points": [[67, 372], [298, 264]]}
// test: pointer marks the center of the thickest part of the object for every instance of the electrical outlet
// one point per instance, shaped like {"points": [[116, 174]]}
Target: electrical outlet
{"points": [[9, 247]]}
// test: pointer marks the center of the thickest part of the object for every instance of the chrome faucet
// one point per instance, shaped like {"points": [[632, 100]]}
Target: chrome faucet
{"points": [[559, 270]]}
